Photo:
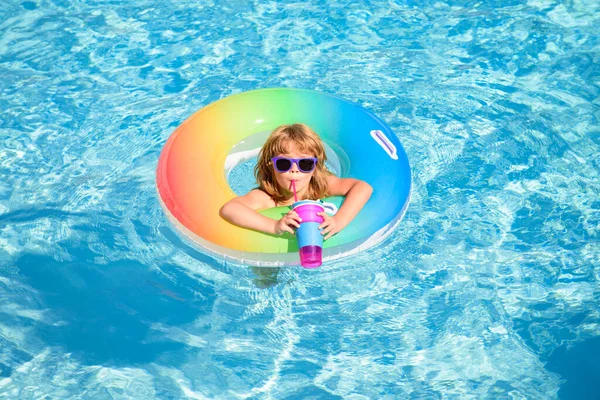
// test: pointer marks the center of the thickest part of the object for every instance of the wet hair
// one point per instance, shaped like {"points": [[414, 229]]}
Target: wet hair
{"points": [[306, 141]]}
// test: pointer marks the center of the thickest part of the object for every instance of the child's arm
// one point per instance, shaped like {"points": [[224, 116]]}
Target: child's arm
{"points": [[357, 194], [241, 211]]}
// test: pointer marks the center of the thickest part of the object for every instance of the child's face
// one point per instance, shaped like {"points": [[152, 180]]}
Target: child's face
{"points": [[284, 179]]}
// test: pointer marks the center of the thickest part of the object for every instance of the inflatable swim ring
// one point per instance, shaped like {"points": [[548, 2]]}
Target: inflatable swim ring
{"points": [[192, 170]]}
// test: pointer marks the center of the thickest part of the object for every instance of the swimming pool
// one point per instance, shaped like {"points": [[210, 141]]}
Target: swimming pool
{"points": [[488, 288]]}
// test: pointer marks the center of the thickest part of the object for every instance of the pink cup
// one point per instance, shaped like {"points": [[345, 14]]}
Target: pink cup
{"points": [[310, 240]]}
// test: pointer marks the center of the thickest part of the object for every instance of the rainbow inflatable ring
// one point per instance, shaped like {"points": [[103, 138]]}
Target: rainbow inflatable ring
{"points": [[192, 172]]}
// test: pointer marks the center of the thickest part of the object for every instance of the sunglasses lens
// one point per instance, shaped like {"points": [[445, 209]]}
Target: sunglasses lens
{"points": [[283, 165], [306, 164]]}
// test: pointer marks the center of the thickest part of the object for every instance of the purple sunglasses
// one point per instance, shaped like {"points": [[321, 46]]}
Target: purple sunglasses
{"points": [[284, 164]]}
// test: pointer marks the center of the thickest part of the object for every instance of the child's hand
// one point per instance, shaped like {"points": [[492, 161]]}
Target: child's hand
{"points": [[285, 224], [330, 225]]}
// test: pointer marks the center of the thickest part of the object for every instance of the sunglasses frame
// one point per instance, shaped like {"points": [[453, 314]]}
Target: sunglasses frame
{"points": [[295, 161]]}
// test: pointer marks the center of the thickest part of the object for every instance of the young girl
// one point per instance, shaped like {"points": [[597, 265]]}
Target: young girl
{"points": [[294, 154]]}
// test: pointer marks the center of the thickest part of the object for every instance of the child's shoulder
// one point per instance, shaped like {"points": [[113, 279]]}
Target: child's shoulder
{"points": [[258, 199]]}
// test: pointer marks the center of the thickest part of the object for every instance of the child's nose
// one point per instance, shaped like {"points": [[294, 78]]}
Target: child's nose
{"points": [[294, 168]]}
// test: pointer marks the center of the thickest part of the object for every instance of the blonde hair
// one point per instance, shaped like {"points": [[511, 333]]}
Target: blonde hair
{"points": [[306, 141]]}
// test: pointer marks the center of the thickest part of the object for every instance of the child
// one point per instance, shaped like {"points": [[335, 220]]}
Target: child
{"points": [[295, 153]]}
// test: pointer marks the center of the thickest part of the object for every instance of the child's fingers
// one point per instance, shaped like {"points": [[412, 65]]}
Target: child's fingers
{"points": [[326, 230], [288, 220], [329, 234], [326, 220], [294, 215]]}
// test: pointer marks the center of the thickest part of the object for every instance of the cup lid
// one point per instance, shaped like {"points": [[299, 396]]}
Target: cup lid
{"points": [[302, 202]]}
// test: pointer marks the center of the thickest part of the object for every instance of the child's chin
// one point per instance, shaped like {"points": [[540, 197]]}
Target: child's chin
{"points": [[285, 190]]}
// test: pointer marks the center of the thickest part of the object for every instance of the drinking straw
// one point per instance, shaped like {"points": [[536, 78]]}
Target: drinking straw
{"points": [[294, 190]]}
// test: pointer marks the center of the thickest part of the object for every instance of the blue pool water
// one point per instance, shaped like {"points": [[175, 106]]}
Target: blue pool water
{"points": [[489, 288]]}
